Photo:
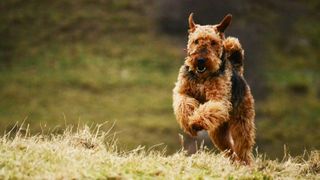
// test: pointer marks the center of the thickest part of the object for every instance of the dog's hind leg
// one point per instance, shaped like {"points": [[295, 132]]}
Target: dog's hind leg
{"points": [[242, 130], [242, 134], [222, 139]]}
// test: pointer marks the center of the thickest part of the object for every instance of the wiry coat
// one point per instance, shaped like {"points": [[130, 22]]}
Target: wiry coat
{"points": [[214, 95]]}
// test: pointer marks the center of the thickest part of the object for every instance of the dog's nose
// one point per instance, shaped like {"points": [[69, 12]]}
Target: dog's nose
{"points": [[201, 61]]}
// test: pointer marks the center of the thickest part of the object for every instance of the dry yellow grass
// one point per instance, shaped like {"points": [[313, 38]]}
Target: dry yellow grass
{"points": [[89, 153]]}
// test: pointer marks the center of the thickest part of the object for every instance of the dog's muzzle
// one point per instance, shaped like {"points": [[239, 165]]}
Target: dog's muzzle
{"points": [[201, 65]]}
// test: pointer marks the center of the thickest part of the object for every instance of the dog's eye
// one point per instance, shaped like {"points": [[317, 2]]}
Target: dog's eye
{"points": [[196, 41], [213, 43]]}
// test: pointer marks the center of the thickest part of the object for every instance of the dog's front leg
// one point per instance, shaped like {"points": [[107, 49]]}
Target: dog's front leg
{"points": [[184, 107], [209, 115]]}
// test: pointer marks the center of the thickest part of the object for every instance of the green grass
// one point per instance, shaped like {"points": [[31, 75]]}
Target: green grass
{"points": [[85, 153], [100, 63], [74, 83]]}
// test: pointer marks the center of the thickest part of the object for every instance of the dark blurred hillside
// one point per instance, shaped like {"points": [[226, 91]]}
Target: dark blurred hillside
{"points": [[38, 23], [94, 61]]}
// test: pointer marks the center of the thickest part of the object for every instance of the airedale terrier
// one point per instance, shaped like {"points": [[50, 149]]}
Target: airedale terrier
{"points": [[211, 93]]}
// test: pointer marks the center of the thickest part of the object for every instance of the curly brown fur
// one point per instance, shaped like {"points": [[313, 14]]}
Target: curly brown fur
{"points": [[211, 93]]}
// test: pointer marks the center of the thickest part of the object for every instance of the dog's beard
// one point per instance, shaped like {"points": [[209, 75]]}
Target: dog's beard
{"points": [[214, 64], [211, 65], [201, 68]]}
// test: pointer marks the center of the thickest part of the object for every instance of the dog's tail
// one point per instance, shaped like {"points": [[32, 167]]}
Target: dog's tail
{"points": [[235, 53]]}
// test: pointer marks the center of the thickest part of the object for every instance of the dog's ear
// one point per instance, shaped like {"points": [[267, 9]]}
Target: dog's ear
{"points": [[222, 26], [192, 25]]}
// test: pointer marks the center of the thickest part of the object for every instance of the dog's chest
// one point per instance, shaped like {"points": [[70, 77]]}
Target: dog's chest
{"points": [[201, 89], [199, 92], [203, 92]]}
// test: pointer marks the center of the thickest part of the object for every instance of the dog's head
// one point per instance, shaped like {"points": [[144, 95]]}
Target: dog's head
{"points": [[205, 46]]}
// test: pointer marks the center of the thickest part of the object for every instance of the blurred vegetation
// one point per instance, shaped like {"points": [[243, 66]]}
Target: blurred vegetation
{"points": [[108, 60], [74, 62]]}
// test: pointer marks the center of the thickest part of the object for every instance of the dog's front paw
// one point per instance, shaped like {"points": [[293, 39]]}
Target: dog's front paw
{"points": [[191, 131], [197, 124], [196, 127]]}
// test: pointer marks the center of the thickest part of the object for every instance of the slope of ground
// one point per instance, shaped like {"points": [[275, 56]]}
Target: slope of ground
{"points": [[94, 155]]}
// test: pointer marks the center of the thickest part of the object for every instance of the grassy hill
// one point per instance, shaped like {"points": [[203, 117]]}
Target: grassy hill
{"points": [[93, 154]]}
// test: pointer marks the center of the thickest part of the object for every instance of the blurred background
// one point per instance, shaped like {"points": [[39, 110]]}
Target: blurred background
{"points": [[86, 62]]}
